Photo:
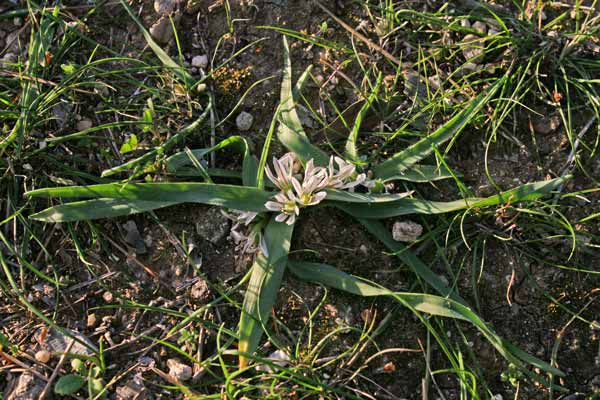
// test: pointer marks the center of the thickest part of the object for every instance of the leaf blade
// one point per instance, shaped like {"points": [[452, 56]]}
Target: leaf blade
{"points": [[290, 132], [267, 274], [403, 160]]}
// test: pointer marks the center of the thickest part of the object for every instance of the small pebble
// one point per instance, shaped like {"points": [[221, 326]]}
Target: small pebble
{"points": [[406, 231], [473, 48], [108, 297], [200, 61], [161, 30], [244, 121], [91, 320], [480, 27], [84, 124], [163, 7], [43, 356], [179, 370]]}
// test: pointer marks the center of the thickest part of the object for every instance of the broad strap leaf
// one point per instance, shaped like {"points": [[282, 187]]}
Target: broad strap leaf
{"points": [[403, 160], [290, 132], [381, 210], [267, 274]]}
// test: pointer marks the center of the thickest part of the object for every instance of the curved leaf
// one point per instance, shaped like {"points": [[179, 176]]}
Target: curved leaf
{"points": [[147, 196], [97, 208], [363, 198], [422, 173], [267, 273], [527, 192], [403, 160], [290, 131], [179, 161], [69, 384], [430, 304]]}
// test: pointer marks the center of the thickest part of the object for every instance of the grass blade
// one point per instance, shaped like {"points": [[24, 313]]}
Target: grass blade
{"points": [[179, 161], [363, 198], [403, 160], [267, 273], [149, 156], [377, 229], [351, 151], [160, 53]]}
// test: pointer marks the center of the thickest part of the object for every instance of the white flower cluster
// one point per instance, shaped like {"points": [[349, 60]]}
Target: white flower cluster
{"points": [[294, 195]]}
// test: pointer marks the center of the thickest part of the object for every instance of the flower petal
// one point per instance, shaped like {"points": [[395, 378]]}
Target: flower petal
{"points": [[317, 198], [273, 206], [281, 217]]}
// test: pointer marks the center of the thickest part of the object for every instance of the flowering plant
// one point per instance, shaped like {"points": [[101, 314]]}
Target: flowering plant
{"points": [[326, 181]]}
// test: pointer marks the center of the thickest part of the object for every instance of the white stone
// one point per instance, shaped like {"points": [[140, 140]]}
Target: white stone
{"points": [[84, 124], [162, 31], [480, 27], [200, 61], [163, 7], [179, 370], [244, 121], [406, 231]]}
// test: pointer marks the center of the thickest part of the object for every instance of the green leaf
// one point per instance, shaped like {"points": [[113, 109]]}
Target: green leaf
{"points": [[290, 131], [527, 192], [363, 198], [430, 304], [177, 163], [166, 146], [401, 251], [351, 152], [403, 160], [146, 196], [422, 173], [147, 118], [69, 384], [4, 343], [129, 145], [95, 209], [267, 273], [68, 69]]}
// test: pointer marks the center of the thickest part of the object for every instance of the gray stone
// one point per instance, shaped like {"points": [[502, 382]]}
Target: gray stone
{"points": [[178, 370], [162, 30], [56, 342], [200, 61], [473, 48], [244, 121], [406, 231], [163, 7], [480, 27], [132, 390], [27, 387], [133, 237], [84, 124]]}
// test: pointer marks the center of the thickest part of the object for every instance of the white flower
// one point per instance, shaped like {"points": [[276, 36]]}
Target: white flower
{"points": [[310, 193], [284, 172], [342, 179], [286, 205]]}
